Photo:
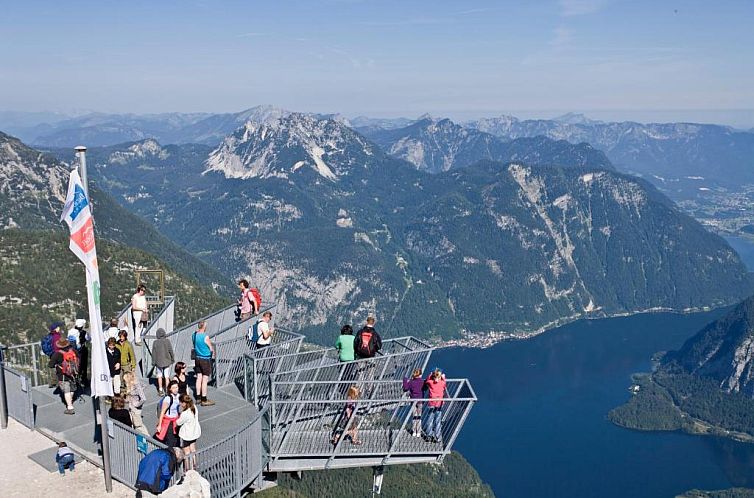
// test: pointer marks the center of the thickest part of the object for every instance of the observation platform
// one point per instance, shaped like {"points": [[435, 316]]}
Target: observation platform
{"points": [[276, 409]]}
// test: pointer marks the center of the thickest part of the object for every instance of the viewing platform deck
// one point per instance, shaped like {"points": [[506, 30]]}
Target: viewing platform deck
{"points": [[278, 409]]}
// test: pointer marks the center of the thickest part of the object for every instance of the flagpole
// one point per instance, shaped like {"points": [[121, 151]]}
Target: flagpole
{"points": [[81, 154], [104, 434]]}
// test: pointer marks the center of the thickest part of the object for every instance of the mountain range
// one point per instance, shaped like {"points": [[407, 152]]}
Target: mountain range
{"points": [[332, 228], [682, 159]]}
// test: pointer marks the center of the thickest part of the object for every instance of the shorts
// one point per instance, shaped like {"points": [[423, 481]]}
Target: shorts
{"points": [[203, 366], [65, 386], [187, 443], [163, 373]]}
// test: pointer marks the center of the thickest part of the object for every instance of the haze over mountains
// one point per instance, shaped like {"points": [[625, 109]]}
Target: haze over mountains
{"points": [[332, 227], [682, 159]]}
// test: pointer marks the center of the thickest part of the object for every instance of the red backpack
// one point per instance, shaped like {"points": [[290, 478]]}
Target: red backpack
{"points": [[365, 345], [257, 298], [70, 365]]}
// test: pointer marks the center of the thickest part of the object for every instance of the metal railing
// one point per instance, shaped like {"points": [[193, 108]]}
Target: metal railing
{"points": [[230, 354], [18, 396], [230, 465], [397, 359], [124, 452], [220, 325], [29, 360], [308, 420]]}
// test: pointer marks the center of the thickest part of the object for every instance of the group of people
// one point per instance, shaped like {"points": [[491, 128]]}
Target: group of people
{"points": [[365, 344]]}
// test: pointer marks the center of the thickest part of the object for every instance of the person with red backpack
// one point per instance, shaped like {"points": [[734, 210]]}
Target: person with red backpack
{"points": [[367, 341], [65, 361], [250, 300]]}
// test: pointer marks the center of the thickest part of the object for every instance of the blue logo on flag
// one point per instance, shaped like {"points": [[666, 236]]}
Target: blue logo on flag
{"points": [[79, 201]]}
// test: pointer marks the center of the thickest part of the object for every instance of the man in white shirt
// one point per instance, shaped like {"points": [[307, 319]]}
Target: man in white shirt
{"points": [[265, 330], [113, 330]]}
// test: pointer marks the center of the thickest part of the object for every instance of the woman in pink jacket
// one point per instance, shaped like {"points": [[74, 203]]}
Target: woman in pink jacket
{"points": [[436, 385]]}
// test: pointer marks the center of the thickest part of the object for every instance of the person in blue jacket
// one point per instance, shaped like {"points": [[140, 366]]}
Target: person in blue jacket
{"points": [[156, 470]]}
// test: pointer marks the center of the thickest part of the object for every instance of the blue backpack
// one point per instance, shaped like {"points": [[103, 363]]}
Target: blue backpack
{"points": [[253, 334], [48, 347], [156, 470]]}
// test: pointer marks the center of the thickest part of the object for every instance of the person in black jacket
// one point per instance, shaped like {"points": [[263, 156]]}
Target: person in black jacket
{"points": [[113, 361], [119, 412], [367, 341]]}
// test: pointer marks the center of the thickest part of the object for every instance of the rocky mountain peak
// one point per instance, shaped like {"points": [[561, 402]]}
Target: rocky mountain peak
{"points": [[289, 144]]}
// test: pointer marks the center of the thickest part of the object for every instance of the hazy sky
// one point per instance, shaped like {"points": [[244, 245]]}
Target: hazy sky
{"points": [[383, 57]]}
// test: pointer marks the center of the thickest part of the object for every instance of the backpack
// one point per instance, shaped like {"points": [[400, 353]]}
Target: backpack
{"points": [[366, 346], [257, 297], [253, 334], [70, 365], [47, 346], [150, 476], [162, 401]]}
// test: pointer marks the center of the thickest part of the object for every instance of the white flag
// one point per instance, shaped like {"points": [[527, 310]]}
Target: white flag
{"points": [[78, 216]]}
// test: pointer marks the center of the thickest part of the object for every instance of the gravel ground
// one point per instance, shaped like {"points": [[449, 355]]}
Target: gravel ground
{"points": [[21, 477]]}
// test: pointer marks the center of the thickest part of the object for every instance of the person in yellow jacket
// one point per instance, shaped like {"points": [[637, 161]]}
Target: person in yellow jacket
{"points": [[127, 356]]}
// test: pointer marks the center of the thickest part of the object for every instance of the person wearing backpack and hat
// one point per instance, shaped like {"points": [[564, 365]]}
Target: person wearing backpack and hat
{"points": [[65, 362], [48, 346]]}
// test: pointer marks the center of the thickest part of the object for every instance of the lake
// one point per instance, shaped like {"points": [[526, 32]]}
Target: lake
{"points": [[540, 427]]}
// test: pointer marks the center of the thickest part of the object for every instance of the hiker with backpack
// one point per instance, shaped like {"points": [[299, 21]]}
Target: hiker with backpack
{"points": [[168, 409], [139, 311], [367, 341], [264, 330], [436, 385], [203, 350], [81, 339], [48, 346], [113, 362], [65, 362], [250, 300], [162, 357], [156, 470]]}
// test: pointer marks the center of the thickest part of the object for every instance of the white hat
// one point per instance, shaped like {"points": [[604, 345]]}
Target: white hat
{"points": [[80, 322]]}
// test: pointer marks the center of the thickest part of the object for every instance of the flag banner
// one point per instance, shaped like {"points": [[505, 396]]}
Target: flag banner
{"points": [[78, 216]]}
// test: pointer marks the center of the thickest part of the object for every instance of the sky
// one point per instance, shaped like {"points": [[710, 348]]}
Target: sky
{"points": [[611, 59]]}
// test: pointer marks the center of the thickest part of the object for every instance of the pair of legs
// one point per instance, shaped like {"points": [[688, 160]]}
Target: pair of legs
{"points": [[203, 370], [189, 455], [163, 378], [434, 423], [66, 462], [138, 326], [67, 389], [417, 426]]}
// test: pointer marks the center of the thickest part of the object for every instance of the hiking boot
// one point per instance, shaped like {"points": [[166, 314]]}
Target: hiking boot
{"points": [[207, 402], [69, 411]]}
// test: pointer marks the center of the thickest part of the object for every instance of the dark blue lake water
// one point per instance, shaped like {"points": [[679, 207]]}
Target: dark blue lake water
{"points": [[540, 427], [744, 248]]}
